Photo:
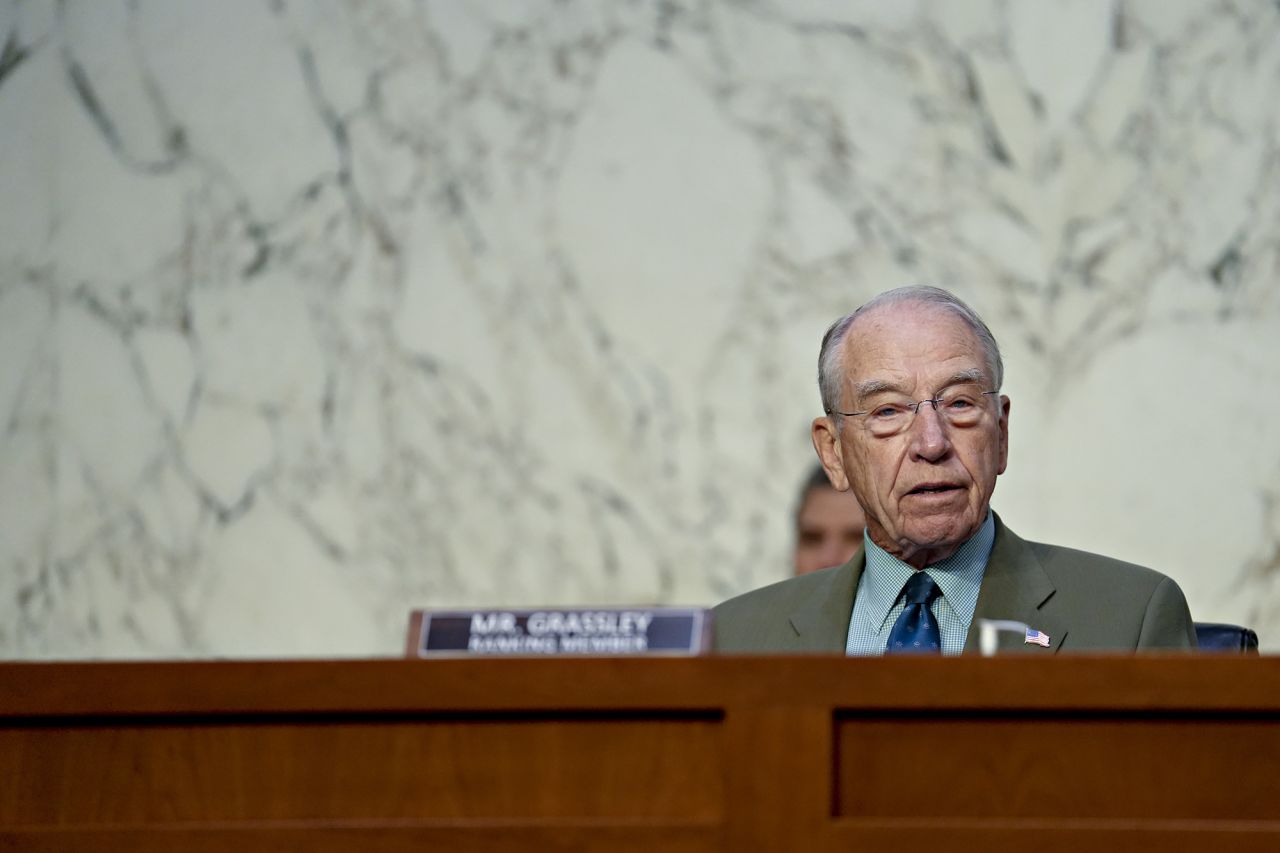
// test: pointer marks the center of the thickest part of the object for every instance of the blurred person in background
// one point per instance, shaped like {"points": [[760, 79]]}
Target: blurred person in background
{"points": [[828, 524]]}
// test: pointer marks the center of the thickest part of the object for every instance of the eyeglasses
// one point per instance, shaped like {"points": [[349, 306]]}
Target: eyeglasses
{"points": [[961, 406]]}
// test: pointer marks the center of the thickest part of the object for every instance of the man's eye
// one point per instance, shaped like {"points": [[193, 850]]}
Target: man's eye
{"points": [[960, 403], [886, 412]]}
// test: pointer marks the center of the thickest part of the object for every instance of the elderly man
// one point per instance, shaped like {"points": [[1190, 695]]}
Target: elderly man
{"points": [[917, 428]]}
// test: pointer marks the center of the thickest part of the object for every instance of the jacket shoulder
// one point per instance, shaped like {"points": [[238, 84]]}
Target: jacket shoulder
{"points": [[1082, 567], [761, 620], [1121, 603]]}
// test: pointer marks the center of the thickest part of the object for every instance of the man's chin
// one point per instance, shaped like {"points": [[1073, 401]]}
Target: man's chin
{"points": [[934, 533]]}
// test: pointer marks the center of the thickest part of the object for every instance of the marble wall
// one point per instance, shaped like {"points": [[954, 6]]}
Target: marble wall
{"points": [[313, 312]]}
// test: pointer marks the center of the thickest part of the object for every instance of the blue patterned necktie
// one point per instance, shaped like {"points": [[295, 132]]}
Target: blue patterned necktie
{"points": [[916, 631]]}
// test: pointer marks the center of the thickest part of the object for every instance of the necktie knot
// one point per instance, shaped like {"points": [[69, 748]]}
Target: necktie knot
{"points": [[921, 589], [916, 630]]}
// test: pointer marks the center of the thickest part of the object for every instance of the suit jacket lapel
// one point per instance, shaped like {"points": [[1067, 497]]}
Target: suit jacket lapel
{"points": [[821, 622], [1015, 586]]}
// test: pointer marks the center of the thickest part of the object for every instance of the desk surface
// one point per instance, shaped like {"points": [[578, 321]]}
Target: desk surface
{"points": [[621, 754], [1181, 682]]}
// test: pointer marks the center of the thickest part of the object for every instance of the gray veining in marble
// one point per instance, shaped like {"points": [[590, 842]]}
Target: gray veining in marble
{"points": [[314, 312]]}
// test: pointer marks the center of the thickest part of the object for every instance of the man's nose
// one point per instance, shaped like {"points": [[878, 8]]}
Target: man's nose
{"points": [[929, 438]]}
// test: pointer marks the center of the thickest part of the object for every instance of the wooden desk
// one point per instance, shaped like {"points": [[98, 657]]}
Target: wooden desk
{"points": [[622, 755]]}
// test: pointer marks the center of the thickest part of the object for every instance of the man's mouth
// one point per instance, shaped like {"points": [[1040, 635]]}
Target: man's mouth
{"points": [[933, 488]]}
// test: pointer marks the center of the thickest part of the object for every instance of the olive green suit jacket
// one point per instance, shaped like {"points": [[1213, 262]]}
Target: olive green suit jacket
{"points": [[1083, 601]]}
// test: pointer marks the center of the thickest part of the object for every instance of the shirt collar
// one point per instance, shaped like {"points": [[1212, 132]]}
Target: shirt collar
{"points": [[958, 576]]}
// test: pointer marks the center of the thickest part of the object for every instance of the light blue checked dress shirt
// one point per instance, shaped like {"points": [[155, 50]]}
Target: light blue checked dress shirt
{"points": [[878, 602]]}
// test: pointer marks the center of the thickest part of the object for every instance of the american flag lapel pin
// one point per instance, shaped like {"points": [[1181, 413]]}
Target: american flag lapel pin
{"points": [[1039, 638]]}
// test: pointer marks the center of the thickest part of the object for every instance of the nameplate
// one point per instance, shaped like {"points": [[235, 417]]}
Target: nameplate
{"points": [[589, 631]]}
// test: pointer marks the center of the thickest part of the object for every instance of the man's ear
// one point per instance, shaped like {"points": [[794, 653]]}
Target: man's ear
{"points": [[827, 442]]}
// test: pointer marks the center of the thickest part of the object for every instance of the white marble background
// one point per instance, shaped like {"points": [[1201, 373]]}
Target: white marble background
{"points": [[313, 312]]}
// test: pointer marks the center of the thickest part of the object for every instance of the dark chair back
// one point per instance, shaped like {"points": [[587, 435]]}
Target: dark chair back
{"points": [[1217, 637]]}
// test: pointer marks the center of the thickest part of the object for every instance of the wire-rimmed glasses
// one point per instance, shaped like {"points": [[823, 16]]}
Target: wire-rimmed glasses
{"points": [[960, 406]]}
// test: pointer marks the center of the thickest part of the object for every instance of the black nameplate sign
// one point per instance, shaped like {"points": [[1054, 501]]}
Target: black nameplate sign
{"points": [[586, 631]]}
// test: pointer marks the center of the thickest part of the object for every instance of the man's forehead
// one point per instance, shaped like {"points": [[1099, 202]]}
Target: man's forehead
{"points": [[900, 316], [895, 340]]}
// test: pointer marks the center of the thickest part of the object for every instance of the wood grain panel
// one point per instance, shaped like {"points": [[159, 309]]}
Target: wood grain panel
{"points": [[780, 788], [496, 837], [1165, 754], [1207, 767], [516, 769]]}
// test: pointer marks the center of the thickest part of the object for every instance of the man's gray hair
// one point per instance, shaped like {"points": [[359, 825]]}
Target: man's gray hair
{"points": [[829, 367]]}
